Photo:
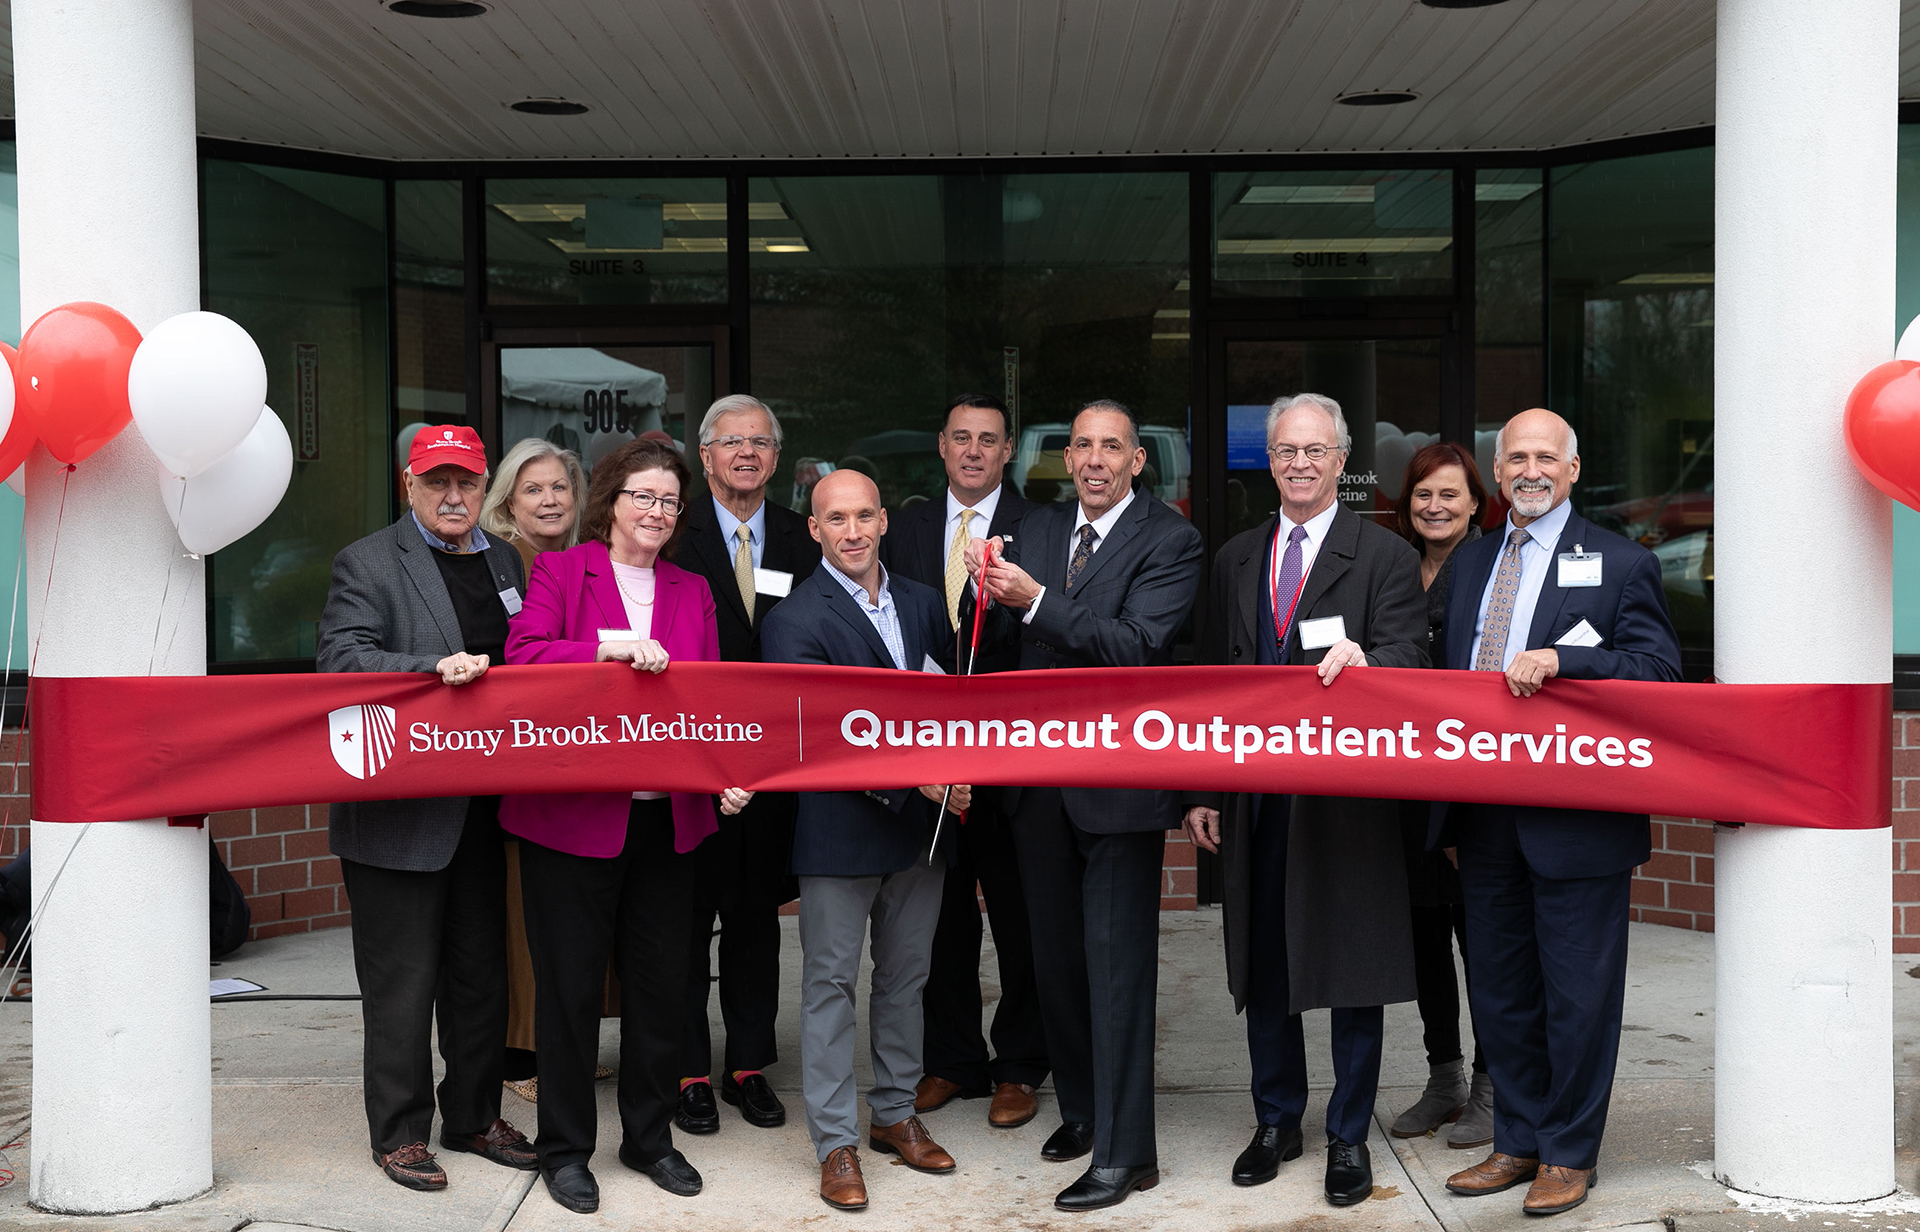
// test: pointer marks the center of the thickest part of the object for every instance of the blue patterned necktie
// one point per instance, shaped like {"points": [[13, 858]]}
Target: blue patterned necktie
{"points": [[1081, 554], [1287, 589], [1506, 590]]}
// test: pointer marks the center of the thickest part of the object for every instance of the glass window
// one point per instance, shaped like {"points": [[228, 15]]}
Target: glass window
{"points": [[429, 300], [1906, 523], [877, 298], [593, 400], [1509, 358], [1333, 233], [299, 258], [1630, 359], [605, 241], [13, 509]]}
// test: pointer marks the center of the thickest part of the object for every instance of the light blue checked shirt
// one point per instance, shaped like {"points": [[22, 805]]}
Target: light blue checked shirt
{"points": [[476, 539], [885, 617]]}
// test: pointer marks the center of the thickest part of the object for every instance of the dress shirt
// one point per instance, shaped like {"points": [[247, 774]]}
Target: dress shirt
{"points": [[978, 530], [1102, 527], [885, 617], [1316, 527], [476, 538], [1536, 559], [730, 529]]}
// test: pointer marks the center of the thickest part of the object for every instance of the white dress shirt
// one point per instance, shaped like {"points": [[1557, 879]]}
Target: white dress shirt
{"points": [[1316, 527], [977, 529], [1102, 527], [730, 530], [1536, 559]]}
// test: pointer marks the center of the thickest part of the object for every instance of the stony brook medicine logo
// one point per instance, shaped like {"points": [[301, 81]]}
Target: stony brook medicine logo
{"points": [[361, 738]]}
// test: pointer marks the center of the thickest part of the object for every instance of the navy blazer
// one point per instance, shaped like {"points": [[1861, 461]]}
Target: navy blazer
{"points": [[1637, 642], [916, 546], [853, 833]]}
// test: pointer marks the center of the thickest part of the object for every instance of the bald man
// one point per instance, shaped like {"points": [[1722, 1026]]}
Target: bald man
{"points": [[862, 856], [1550, 594]]}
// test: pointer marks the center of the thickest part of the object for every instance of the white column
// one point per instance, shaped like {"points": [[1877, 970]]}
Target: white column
{"points": [[1803, 305], [122, 1113]]}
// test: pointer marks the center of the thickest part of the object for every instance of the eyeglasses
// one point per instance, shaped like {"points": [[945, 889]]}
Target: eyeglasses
{"points": [[643, 501], [734, 442], [1287, 453]]}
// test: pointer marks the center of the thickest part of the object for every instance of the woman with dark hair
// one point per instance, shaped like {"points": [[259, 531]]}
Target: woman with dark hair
{"points": [[1440, 500], [611, 873]]}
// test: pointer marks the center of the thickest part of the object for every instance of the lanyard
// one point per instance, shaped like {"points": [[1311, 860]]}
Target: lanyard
{"points": [[1280, 629]]}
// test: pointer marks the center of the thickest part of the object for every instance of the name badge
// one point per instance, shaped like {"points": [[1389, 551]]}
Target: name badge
{"points": [[928, 665], [619, 635], [1579, 567], [510, 599], [1322, 633], [1582, 634], [775, 582]]}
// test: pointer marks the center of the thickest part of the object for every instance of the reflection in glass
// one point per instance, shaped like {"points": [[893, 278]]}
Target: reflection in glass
{"points": [[1509, 325], [13, 509], [607, 241], [299, 258], [593, 400], [1338, 233], [429, 280]]}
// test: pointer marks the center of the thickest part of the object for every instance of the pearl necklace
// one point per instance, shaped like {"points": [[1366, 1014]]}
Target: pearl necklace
{"points": [[629, 595]]}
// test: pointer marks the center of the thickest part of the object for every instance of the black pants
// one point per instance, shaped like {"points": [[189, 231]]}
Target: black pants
{"points": [[579, 909], [740, 879], [954, 1047], [429, 945], [1094, 902], [1435, 930]]}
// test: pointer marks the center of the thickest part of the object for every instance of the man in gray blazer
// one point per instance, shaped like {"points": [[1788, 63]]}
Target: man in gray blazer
{"points": [[427, 878], [1316, 891], [1104, 580]]}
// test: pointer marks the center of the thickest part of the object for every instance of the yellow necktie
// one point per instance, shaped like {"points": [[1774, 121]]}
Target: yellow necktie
{"points": [[957, 565], [743, 568]]}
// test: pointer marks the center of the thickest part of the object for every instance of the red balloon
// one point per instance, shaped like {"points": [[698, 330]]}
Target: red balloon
{"points": [[18, 442], [72, 378], [1883, 429]]}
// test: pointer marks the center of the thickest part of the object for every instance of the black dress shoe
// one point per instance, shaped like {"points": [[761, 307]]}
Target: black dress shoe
{"points": [[755, 1099], [697, 1113], [573, 1187], [1099, 1187], [1272, 1146], [1072, 1140], [670, 1172], [1349, 1172]]}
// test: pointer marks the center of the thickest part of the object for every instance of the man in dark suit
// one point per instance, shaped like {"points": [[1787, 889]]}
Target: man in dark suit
{"points": [[1102, 581], [860, 856], [750, 551], [928, 544], [1546, 889], [1316, 890], [428, 878]]}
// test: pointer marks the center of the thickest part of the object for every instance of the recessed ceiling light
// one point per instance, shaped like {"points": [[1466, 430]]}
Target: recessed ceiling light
{"points": [[437, 8], [1376, 98], [549, 107]]}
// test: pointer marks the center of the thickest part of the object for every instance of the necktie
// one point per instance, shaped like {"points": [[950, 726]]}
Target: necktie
{"points": [[1287, 589], [957, 565], [743, 568], [1506, 589], [1081, 554]]}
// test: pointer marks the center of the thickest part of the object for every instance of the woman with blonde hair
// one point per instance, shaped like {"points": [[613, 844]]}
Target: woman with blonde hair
{"points": [[535, 500]]}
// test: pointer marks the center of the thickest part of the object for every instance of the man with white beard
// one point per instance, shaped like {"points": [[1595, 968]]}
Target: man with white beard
{"points": [[1550, 594]]}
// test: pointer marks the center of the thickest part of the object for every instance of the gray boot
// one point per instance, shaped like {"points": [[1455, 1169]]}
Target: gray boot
{"points": [[1446, 1093], [1475, 1126]]}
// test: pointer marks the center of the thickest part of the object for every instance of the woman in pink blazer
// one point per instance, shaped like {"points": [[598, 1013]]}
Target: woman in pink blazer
{"points": [[608, 872]]}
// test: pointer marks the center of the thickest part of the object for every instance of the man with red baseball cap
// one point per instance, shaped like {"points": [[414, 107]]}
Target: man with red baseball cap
{"points": [[427, 878]]}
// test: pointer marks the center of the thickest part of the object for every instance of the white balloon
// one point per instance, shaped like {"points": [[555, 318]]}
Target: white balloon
{"points": [[1909, 347], [18, 480], [234, 495], [6, 399], [196, 387]]}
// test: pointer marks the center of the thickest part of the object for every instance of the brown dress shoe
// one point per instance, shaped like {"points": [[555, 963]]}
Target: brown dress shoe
{"points": [[501, 1143], [841, 1185], [1014, 1104], [1493, 1174], [934, 1093], [1559, 1189], [413, 1165], [912, 1143]]}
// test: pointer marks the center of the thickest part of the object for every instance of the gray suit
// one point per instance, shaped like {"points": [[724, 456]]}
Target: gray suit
{"points": [[388, 611]]}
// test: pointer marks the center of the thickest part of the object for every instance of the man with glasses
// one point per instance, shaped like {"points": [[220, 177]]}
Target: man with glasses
{"points": [[750, 551], [928, 544]]}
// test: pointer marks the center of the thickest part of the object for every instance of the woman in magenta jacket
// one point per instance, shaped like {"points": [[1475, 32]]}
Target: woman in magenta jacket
{"points": [[607, 872]]}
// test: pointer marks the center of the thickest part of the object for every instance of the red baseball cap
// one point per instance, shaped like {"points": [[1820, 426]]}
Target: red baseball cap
{"points": [[447, 445]]}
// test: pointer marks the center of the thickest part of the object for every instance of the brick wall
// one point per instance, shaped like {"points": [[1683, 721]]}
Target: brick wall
{"points": [[279, 857]]}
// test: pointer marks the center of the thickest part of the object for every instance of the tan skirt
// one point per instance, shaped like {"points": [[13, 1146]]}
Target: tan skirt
{"points": [[520, 965]]}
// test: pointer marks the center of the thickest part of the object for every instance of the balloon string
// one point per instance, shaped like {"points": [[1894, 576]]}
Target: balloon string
{"points": [[33, 658], [19, 564], [160, 616]]}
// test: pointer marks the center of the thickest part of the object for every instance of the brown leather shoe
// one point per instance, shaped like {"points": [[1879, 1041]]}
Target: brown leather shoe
{"points": [[912, 1143], [1493, 1174], [501, 1143], [412, 1165], [1014, 1104], [841, 1185], [934, 1093], [1559, 1189]]}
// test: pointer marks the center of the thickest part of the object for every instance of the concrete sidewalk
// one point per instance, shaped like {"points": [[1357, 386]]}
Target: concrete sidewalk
{"points": [[289, 1146]]}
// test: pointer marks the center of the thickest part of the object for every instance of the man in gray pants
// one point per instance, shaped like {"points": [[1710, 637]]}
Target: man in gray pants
{"points": [[861, 856]]}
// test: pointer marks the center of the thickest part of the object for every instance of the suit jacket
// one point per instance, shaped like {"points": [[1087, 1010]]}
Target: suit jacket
{"points": [[1637, 642], [853, 833], [388, 611], [916, 547], [1349, 935], [571, 598], [1126, 608], [790, 549]]}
